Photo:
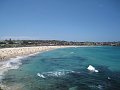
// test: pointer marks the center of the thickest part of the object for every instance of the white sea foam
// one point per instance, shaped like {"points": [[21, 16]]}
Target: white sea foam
{"points": [[109, 78], [91, 68], [40, 75], [13, 63], [57, 73], [100, 87]]}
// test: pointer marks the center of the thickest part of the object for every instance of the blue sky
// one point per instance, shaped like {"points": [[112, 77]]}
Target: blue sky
{"points": [[72, 20]]}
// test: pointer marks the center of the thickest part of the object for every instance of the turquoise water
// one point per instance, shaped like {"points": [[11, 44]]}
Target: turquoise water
{"points": [[66, 69]]}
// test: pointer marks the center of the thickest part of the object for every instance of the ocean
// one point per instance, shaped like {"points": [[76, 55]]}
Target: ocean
{"points": [[79, 68]]}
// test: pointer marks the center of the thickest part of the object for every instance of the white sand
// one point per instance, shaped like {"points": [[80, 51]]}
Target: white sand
{"points": [[7, 53]]}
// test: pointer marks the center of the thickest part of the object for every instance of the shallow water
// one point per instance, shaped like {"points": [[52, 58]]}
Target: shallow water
{"points": [[66, 69]]}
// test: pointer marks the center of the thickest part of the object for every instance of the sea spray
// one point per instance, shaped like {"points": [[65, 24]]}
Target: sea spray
{"points": [[57, 73], [40, 75], [91, 68], [12, 63]]}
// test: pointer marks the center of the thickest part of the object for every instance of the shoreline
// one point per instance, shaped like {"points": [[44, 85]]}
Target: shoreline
{"points": [[14, 62], [15, 55], [7, 53]]}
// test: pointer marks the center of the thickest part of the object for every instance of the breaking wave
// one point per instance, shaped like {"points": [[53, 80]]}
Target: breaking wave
{"points": [[91, 68], [13, 63], [58, 73]]}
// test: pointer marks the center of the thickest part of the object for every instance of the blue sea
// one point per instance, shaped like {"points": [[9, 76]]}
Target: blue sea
{"points": [[67, 69]]}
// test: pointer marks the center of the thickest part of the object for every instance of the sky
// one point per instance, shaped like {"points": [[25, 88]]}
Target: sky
{"points": [[71, 20]]}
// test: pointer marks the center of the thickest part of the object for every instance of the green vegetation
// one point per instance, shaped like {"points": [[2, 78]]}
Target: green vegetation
{"points": [[27, 43]]}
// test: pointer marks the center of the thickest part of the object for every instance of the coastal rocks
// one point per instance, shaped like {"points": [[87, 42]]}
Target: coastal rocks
{"points": [[91, 68]]}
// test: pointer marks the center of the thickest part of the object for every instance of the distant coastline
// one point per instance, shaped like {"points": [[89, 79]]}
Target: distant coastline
{"points": [[30, 43]]}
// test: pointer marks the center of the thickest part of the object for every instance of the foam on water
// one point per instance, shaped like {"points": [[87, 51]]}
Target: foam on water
{"points": [[91, 68], [53, 70], [98, 87], [40, 75], [58, 73], [13, 63]]}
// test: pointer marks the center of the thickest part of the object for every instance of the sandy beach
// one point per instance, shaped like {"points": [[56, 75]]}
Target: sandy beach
{"points": [[7, 53]]}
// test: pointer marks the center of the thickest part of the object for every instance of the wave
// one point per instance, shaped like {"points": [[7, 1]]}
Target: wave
{"points": [[13, 63], [41, 75], [91, 68], [58, 73], [99, 87]]}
